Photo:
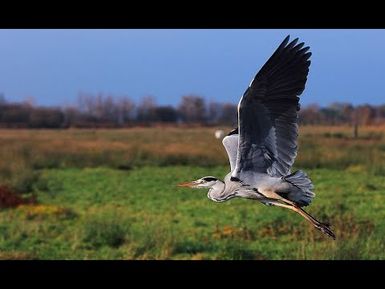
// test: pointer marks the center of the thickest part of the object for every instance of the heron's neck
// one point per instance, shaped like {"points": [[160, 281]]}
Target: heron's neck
{"points": [[217, 192]]}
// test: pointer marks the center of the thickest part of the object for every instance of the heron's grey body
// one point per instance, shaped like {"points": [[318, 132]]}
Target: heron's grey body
{"points": [[259, 187], [263, 147]]}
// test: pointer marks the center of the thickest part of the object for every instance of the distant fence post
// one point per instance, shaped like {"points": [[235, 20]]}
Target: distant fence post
{"points": [[355, 130]]}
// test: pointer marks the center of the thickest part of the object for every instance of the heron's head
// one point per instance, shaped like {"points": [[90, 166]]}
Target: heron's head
{"points": [[205, 182]]}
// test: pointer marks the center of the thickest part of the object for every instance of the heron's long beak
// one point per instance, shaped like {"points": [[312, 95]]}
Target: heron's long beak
{"points": [[188, 184]]}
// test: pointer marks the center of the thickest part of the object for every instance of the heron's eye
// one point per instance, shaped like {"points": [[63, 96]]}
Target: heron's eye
{"points": [[209, 179]]}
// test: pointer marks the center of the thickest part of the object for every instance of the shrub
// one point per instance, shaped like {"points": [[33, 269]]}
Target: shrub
{"points": [[10, 199]]}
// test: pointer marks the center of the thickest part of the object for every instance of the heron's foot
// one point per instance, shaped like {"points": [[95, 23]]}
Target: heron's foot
{"points": [[325, 228]]}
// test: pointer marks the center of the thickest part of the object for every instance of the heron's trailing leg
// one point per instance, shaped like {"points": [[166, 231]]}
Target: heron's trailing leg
{"points": [[324, 228]]}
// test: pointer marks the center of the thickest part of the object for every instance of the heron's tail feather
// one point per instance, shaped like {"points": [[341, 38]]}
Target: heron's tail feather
{"points": [[302, 190]]}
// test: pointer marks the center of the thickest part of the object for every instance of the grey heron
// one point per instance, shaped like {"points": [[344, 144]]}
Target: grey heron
{"points": [[263, 147]]}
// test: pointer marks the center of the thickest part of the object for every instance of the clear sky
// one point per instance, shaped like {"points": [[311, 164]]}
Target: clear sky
{"points": [[54, 66]]}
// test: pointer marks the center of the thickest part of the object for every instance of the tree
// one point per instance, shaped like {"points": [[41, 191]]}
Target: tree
{"points": [[72, 116], [46, 118], [310, 114], [229, 114], [381, 113], [146, 110], [16, 115], [192, 109], [215, 111], [125, 110], [166, 114], [365, 114]]}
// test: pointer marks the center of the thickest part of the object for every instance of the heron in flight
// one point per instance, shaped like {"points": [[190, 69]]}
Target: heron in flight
{"points": [[263, 147]]}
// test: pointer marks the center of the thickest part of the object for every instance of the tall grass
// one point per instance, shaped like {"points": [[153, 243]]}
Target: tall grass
{"points": [[20, 150], [23, 153]]}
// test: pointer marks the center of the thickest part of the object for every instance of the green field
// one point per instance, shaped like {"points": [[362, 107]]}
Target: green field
{"points": [[111, 194]]}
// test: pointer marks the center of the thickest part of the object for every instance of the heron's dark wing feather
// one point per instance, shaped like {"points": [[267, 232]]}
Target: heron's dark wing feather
{"points": [[267, 112]]}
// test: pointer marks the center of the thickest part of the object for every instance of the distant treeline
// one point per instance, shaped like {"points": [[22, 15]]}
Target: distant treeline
{"points": [[106, 111]]}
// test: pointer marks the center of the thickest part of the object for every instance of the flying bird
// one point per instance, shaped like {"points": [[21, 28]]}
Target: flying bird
{"points": [[263, 147]]}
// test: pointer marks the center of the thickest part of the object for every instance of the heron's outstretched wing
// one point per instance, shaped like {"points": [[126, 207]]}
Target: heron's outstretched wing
{"points": [[267, 113], [230, 142]]}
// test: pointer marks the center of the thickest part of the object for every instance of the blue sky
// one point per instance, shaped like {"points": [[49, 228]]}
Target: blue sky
{"points": [[54, 66]]}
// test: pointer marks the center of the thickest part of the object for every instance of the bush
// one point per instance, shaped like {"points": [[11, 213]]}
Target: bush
{"points": [[9, 199]]}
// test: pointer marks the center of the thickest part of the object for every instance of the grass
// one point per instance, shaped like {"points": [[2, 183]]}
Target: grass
{"points": [[104, 230], [111, 194], [102, 213]]}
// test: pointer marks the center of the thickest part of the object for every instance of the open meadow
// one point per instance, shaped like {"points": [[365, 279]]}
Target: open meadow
{"points": [[111, 194]]}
